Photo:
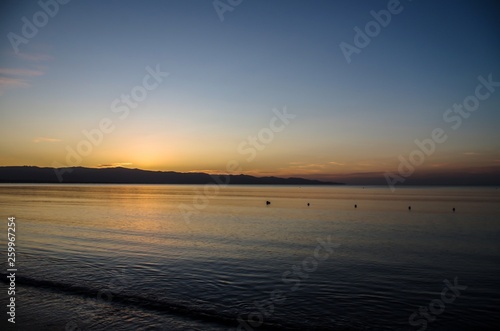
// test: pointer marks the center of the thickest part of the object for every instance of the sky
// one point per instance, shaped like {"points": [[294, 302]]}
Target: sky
{"points": [[332, 90]]}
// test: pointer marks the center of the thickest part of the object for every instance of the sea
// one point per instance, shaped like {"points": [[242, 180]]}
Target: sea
{"points": [[213, 257]]}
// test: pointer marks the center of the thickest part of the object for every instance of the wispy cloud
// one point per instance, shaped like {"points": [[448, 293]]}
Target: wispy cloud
{"points": [[20, 72], [114, 165], [207, 171], [314, 166], [309, 168], [34, 57], [9, 82], [20, 77], [45, 140], [16, 77]]}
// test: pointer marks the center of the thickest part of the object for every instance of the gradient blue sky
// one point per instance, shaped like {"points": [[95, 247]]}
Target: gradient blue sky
{"points": [[226, 77]]}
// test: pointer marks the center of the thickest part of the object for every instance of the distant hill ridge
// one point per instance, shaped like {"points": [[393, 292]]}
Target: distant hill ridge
{"points": [[119, 175]]}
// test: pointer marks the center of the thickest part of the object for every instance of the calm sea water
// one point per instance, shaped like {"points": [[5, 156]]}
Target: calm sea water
{"points": [[164, 257]]}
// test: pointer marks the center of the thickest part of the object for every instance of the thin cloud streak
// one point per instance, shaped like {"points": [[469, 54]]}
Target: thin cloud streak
{"points": [[45, 140], [114, 165], [14, 77], [20, 72], [34, 57], [8, 82]]}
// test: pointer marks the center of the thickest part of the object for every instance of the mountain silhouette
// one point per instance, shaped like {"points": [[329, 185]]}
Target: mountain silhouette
{"points": [[119, 175]]}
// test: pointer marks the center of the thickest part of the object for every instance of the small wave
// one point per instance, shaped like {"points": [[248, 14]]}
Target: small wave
{"points": [[149, 303]]}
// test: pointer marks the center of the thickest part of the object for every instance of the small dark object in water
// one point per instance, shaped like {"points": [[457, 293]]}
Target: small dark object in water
{"points": [[308, 204], [409, 207], [268, 202], [355, 206], [453, 209]]}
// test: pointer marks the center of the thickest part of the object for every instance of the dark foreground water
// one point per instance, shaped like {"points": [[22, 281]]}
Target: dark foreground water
{"points": [[163, 257]]}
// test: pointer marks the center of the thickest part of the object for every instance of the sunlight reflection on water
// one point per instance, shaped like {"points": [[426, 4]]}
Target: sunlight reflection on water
{"points": [[134, 241]]}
